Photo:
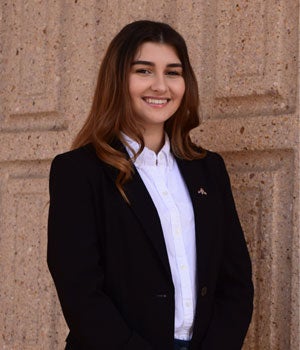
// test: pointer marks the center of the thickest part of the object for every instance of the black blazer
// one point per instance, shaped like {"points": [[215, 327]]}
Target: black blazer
{"points": [[110, 265]]}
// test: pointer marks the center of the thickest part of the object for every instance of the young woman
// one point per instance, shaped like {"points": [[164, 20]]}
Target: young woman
{"points": [[145, 246]]}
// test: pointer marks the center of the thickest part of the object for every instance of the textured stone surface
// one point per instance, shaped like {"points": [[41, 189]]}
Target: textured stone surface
{"points": [[245, 55]]}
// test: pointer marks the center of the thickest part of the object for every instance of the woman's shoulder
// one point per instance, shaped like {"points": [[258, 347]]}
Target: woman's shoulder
{"points": [[80, 159], [210, 157], [84, 153], [213, 164], [214, 157]]}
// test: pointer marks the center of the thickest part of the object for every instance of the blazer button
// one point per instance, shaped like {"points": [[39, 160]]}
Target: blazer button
{"points": [[203, 291], [161, 296]]}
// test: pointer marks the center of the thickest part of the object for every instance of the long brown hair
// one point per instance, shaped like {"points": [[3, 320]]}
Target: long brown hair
{"points": [[111, 110]]}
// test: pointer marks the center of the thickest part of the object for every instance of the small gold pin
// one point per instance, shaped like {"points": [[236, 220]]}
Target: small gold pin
{"points": [[202, 191]]}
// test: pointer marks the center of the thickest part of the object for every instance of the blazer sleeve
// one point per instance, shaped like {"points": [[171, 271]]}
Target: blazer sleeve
{"points": [[234, 293], [74, 260]]}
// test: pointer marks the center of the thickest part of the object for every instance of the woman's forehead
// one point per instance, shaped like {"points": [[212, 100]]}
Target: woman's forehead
{"points": [[151, 51]]}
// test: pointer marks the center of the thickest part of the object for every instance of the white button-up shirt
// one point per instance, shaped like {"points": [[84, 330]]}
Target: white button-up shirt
{"points": [[170, 196]]}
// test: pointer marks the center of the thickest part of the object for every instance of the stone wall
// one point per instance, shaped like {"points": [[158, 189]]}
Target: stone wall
{"points": [[245, 55]]}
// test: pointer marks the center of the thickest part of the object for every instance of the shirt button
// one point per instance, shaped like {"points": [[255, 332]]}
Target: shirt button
{"points": [[165, 193], [187, 304]]}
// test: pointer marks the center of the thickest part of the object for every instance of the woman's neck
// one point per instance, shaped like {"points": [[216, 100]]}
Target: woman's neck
{"points": [[154, 139]]}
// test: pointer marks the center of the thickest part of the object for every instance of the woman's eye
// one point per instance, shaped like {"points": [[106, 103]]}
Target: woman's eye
{"points": [[143, 71], [174, 73]]}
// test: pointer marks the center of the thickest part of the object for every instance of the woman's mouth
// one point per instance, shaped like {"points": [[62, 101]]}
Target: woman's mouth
{"points": [[156, 101]]}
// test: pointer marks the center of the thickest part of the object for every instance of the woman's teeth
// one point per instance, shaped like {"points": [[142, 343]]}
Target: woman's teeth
{"points": [[156, 101]]}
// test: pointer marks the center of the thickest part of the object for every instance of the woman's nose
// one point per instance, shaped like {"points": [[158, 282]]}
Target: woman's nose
{"points": [[159, 83]]}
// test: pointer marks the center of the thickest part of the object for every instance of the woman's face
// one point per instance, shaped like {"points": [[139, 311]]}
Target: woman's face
{"points": [[156, 84]]}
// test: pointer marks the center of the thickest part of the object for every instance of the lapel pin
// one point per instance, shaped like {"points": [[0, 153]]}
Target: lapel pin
{"points": [[202, 192]]}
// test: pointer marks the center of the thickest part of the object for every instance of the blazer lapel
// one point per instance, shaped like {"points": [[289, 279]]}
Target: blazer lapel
{"points": [[145, 211], [203, 196]]}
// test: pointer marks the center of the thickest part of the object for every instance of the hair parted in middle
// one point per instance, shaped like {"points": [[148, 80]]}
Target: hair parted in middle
{"points": [[112, 113]]}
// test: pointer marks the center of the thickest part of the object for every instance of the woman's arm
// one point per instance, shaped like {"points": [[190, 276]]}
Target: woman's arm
{"points": [[234, 293], [75, 261]]}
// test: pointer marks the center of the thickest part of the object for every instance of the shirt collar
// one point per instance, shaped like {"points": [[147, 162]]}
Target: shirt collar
{"points": [[164, 158]]}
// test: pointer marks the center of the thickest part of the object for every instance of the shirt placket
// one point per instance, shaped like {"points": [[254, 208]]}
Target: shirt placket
{"points": [[180, 254]]}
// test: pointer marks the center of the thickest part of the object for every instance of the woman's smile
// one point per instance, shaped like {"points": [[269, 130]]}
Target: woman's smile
{"points": [[156, 102]]}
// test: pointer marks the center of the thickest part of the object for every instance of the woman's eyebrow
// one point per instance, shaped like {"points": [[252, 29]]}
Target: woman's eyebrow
{"points": [[148, 63], [174, 65]]}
